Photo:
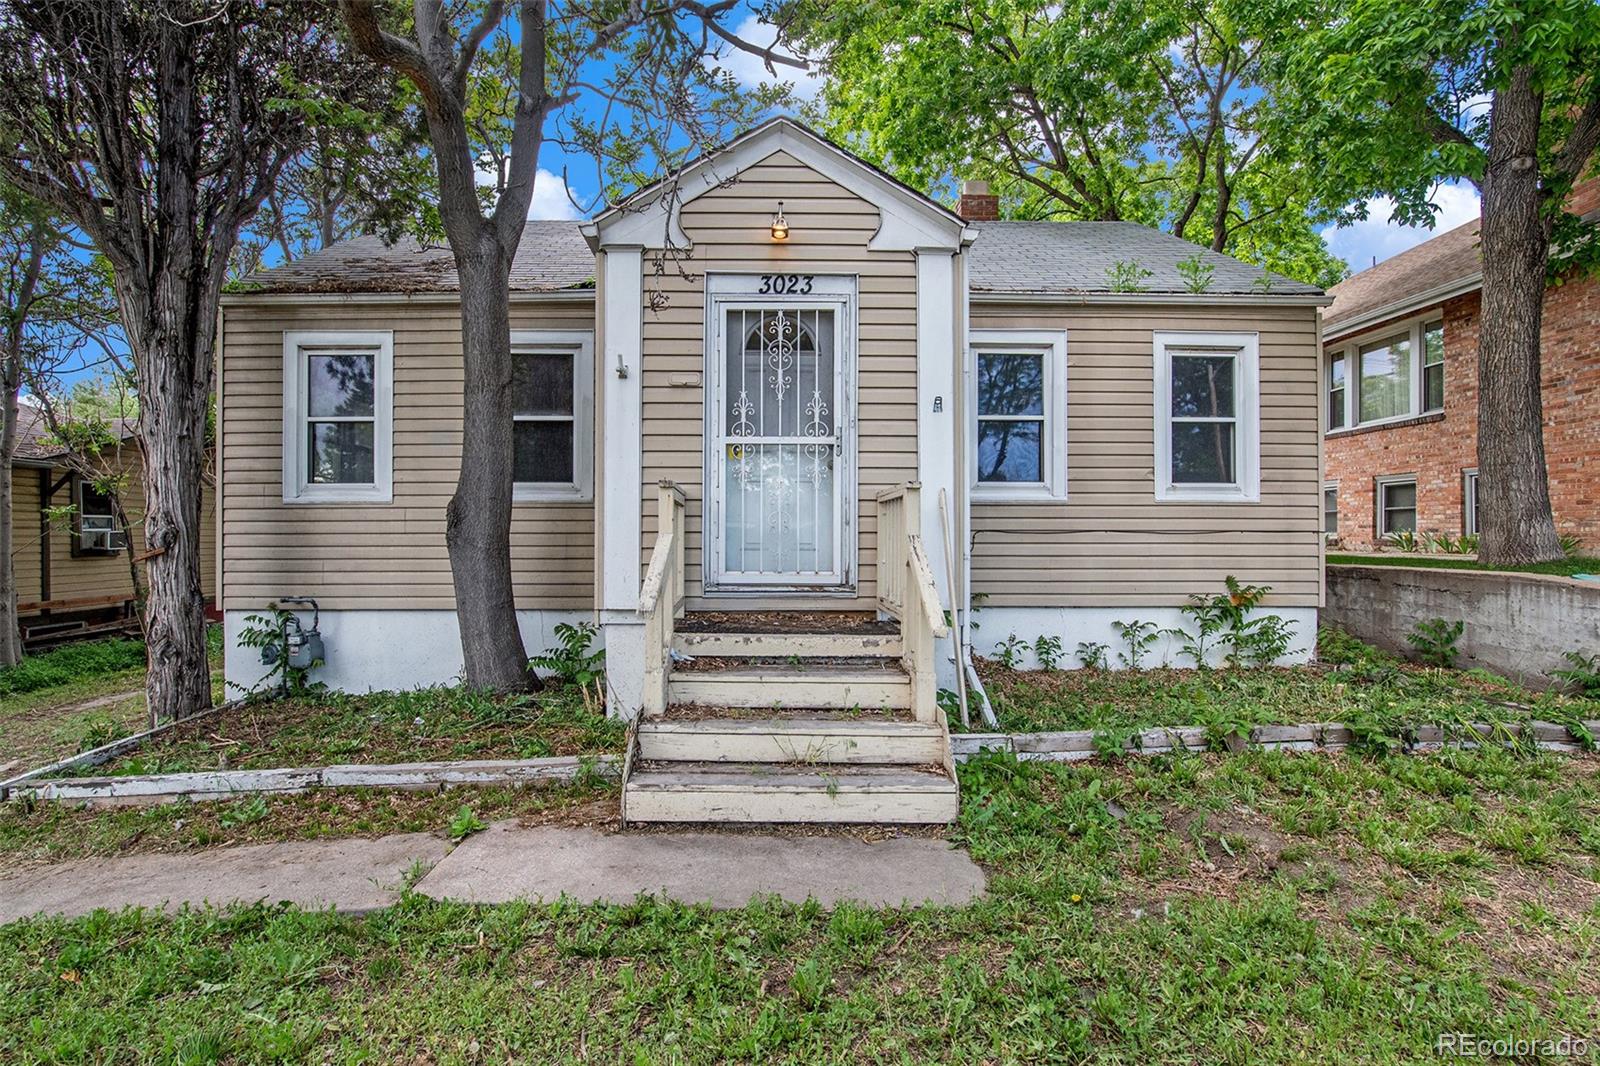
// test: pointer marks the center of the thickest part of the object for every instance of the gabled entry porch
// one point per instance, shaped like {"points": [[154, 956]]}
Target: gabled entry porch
{"points": [[793, 717]]}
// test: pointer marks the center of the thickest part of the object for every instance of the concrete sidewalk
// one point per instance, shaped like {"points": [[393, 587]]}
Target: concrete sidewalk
{"points": [[509, 862]]}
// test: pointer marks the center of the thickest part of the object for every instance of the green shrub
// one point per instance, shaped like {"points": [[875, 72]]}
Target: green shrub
{"points": [[1435, 641], [72, 662]]}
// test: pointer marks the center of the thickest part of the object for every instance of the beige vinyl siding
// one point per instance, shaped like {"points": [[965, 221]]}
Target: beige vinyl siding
{"points": [[1110, 543], [829, 230], [386, 556], [92, 576]]}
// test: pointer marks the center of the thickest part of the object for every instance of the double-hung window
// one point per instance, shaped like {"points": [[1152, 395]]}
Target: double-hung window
{"points": [[1469, 502], [1330, 509], [1019, 400], [1397, 504], [338, 416], [552, 389], [1207, 409], [1385, 376]]}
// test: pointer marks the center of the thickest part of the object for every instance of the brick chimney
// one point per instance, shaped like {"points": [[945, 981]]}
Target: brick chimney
{"points": [[978, 204]]}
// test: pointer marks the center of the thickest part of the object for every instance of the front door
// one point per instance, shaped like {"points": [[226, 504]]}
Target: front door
{"points": [[780, 475]]}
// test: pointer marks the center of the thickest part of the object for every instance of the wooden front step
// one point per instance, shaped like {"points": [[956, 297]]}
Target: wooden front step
{"points": [[802, 740], [730, 792], [769, 685], [784, 645]]}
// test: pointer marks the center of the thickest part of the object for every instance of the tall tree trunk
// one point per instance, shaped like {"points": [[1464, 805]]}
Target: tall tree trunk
{"points": [[1514, 500], [10, 633], [478, 519]]}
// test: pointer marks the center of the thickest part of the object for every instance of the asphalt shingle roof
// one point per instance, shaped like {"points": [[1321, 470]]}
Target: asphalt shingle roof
{"points": [[35, 443], [1007, 257], [1450, 257], [1080, 257], [552, 256]]}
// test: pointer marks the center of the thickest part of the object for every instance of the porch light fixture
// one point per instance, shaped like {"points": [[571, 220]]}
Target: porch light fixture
{"points": [[780, 225]]}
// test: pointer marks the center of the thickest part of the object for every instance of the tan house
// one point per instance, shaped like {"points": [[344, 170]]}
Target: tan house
{"points": [[787, 408], [69, 549]]}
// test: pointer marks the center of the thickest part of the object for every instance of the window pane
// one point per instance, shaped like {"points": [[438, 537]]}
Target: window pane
{"points": [[1010, 451], [1433, 343], [341, 384], [1336, 409], [1202, 386], [1010, 384], [341, 453], [542, 452], [541, 383], [1330, 511], [1433, 388], [1385, 380], [1202, 453], [1471, 508], [1400, 508]]}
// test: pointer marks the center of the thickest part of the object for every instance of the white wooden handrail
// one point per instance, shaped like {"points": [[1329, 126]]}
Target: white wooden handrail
{"points": [[661, 596], [907, 592], [927, 591]]}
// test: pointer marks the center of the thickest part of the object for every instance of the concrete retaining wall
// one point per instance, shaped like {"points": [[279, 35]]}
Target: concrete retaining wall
{"points": [[1516, 624]]}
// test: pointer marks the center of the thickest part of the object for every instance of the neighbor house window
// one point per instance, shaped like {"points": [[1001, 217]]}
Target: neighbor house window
{"points": [[1330, 509], [1384, 390], [1019, 400], [1384, 377], [1207, 416], [1469, 502], [1433, 366], [1336, 391], [338, 416], [1397, 505], [552, 391], [97, 530]]}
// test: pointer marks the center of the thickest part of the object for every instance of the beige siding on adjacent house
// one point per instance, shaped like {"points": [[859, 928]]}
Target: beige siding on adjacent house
{"points": [[91, 576], [830, 228], [1111, 543], [389, 556]]}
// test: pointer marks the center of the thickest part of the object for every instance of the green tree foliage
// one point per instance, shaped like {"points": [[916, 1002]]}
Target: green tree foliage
{"points": [[1149, 111], [1399, 96]]}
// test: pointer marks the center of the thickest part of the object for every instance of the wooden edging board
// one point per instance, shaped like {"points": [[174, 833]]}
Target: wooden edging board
{"points": [[1311, 736], [226, 784]]}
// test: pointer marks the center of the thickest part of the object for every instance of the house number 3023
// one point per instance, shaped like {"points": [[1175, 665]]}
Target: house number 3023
{"points": [[784, 284]]}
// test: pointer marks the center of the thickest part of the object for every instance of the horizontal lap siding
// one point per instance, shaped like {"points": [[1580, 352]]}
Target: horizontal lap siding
{"points": [[391, 556], [1110, 543], [93, 576], [829, 231]]}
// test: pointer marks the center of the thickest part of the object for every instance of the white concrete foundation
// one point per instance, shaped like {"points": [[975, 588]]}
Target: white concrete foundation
{"points": [[1082, 624], [624, 639], [375, 651]]}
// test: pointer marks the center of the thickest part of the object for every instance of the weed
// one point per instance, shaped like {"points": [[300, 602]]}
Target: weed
{"points": [[1126, 275], [71, 662], [1048, 651], [1435, 641], [575, 661], [464, 824], [1009, 652], [1196, 273], [243, 812], [1570, 544], [1583, 678], [1091, 655], [1138, 636], [1403, 540]]}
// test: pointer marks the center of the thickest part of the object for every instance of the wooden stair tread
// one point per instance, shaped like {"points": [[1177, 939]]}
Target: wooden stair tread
{"points": [[799, 722], [831, 672], [782, 777]]}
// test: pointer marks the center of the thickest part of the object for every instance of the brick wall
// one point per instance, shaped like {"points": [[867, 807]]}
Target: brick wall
{"points": [[1439, 448]]}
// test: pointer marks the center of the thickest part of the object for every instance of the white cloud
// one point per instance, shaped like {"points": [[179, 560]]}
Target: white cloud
{"points": [[751, 71], [1377, 238], [550, 199]]}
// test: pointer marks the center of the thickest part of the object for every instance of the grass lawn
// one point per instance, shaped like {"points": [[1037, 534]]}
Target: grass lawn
{"points": [[424, 725], [77, 697], [1353, 683], [1576, 564], [1193, 908]]}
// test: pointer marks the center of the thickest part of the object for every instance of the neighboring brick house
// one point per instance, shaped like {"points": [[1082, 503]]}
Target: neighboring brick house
{"points": [[1400, 393]]}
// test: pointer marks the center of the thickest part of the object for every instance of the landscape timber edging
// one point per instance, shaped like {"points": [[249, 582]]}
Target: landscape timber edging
{"points": [[228, 784], [1077, 745]]}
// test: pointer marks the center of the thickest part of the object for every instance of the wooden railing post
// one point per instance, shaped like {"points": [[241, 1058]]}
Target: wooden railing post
{"points": [[906, 592], [661, 596]]}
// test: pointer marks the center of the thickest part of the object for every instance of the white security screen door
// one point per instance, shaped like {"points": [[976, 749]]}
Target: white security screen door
{"points": [[777, 459]]}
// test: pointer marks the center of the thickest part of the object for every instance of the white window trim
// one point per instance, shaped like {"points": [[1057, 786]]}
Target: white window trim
{"points": [[1333, 487], [579, 343], [1052, 344], [1247, 413], [1469, 501], [296, 487], [1379, 485], [1350, 348]]}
